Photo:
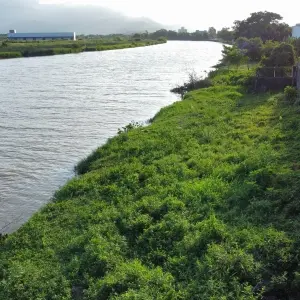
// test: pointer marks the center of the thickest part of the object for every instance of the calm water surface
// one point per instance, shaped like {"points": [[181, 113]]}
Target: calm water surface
{"points": [[55, 110]]}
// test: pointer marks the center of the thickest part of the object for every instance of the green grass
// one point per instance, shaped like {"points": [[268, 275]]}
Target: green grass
{"points": [[5, 55], [201, 204], [44, 48]]}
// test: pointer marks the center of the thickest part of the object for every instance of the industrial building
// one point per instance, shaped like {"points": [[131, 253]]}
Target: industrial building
{"points": [[296, 31], [45, 36]]}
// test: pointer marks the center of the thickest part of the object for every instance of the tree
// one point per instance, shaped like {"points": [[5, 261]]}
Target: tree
{"points": [[283, 55], [264, 25], [159, 33], [212, 33], [137, 37], [251, 47], [233, 56], [225, 34], [296, 44], [172, 35]]}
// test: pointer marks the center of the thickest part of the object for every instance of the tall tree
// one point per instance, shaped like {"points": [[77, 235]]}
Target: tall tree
{"points": [[262, 24], [212, 32]]}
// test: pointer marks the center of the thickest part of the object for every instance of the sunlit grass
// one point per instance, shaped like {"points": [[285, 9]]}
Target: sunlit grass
{"points": [[201, 204]]}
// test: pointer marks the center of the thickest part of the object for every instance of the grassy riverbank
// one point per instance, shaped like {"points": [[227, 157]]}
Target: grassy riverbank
{"points": [[13, 49], [201, 204]]}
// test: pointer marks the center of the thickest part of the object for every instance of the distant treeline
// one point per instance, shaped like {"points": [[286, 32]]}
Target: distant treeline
{"points": [[205, 35], [263, 24]]}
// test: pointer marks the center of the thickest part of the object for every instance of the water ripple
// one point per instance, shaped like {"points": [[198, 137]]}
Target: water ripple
{"points": [[55, 110]]}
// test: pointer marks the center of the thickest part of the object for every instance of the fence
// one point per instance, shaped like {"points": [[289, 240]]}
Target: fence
{"points": [[276, 78]]}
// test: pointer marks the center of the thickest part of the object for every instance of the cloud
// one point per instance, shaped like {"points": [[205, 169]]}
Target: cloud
{"points": [[31, 16]]}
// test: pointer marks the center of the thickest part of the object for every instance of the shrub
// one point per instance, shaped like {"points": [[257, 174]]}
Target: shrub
{"points": [[194, 83], [252, 48], [290, 93], [162, 39]]}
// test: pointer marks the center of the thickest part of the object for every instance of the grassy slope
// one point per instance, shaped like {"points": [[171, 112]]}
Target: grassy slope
{"points": [[201, 204]]}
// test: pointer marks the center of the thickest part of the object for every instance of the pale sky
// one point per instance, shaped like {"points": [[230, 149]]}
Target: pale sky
{"points": [[195, 14]]}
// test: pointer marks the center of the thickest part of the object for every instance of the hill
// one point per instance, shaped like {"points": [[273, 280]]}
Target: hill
{"points": [[30, 16]]}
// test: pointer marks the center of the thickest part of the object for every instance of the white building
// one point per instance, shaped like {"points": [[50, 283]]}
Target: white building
{"points": [[296, 31], [182, 30], [13, 35]]}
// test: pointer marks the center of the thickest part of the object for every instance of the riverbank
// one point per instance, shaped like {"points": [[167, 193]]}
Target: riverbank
{"points": [[10, 49], [201, 204]]}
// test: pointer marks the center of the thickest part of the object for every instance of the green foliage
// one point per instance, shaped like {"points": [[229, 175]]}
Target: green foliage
{"points": [[4, 55], [233, 56], [242, 77], [193, 83], [290, 93], [282, 55], [264, 25], [212, 32], [201, 204], [162, 39], [296, 43], [252, 48], [225, 34], [132, 280], [129, 127], [174, 35]]}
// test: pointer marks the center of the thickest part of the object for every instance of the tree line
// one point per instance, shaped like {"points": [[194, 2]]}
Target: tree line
{"points": [[265, 25], [264, 40]]}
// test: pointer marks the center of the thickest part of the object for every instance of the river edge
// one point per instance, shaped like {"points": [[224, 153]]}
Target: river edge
{"points": [[200, 172], [63, 51]]}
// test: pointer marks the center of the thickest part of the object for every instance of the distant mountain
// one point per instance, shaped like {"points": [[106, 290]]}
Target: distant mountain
{"points": [[30, 16]]}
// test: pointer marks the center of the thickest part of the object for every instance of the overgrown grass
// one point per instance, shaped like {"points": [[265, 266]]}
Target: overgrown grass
{"points": [[201, 204]]}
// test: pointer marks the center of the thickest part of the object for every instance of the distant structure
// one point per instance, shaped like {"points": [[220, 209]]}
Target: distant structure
{"points": [[182, 30], [45, 36], [296, 31]]}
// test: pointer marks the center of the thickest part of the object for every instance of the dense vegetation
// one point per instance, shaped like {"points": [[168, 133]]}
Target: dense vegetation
{"points": [[198, 35], [201, 204], [11, 49], [264, 25]]}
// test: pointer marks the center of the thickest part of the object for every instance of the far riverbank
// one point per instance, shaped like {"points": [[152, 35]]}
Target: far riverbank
{"points": [[13, 49]]}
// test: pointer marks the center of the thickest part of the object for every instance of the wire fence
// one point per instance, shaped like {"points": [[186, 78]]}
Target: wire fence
{"points": [[276, 72]]}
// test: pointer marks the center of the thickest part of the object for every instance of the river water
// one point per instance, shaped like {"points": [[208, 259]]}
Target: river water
{"points": [[55, 110]]}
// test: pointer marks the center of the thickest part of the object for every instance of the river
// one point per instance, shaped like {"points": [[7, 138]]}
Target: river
{"points": [[55, 110]]}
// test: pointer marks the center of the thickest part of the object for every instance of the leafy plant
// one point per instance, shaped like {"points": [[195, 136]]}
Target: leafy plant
{"points": [[290, 93]]}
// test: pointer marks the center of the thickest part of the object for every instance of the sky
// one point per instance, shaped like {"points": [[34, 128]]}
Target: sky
{"points": [[195, 14]]}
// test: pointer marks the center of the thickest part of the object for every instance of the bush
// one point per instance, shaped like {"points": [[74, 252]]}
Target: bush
{"points": [[194, 83], [252, 48], [244, 78], [162, 39], [290, 93]]}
